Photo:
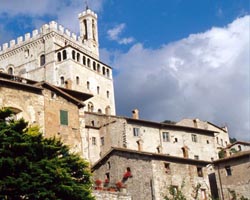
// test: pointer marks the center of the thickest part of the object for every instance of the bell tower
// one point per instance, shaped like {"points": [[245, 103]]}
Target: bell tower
{"points": [[88, 30]]}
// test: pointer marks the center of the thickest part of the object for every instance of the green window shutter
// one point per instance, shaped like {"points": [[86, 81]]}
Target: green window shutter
{"points": [[63, 117]]}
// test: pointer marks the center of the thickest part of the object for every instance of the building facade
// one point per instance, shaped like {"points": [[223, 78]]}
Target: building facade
{"points": [[149, 175], [57, 112], [233, 176], [61, 58], [141, 135]]}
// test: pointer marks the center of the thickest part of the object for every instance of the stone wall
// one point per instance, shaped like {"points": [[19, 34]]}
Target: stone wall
{"points": [[69, 134], [238, 181], [29, 103], [103, 195], [118, 132], [150, 178]]}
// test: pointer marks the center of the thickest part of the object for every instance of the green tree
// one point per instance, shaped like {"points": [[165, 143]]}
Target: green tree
{"points": [[33, 167]]}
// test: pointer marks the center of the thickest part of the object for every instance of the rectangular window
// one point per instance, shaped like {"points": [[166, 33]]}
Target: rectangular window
{"points": [[221, 141], [64, 117], [165, 136], [199, 171], [93, 141], [228, 170], [136, 132], [167, 167], [102, 141], [194, 138]]}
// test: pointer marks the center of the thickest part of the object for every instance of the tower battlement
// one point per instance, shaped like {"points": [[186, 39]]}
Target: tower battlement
{"points": [[87, 12], [35, 34]]}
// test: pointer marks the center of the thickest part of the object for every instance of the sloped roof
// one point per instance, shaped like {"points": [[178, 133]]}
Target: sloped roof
{"points": [[235, 156], [152, 156]]}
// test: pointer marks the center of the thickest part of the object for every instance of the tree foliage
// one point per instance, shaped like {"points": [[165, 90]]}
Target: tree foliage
{"points": [[33, 167]]}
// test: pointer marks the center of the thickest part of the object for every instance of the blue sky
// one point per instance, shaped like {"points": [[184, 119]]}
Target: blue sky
{"points": [[174, 59]]}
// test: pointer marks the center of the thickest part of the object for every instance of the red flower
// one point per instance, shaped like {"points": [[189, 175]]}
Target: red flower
{"points": [[127, 175], [98, 182], [119, 184], [106, 180]]}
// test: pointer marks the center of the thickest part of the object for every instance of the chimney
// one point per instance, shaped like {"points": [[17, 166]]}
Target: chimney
{"points": [[135, 114]]}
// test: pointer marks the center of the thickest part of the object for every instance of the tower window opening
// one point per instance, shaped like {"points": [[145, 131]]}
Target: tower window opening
{"points": [[62, 80], [78, 57], [42, 60], [93, 29], [73, 55], [77, 80], [85, 29], [88, 62], [59, 56], [98, 90], [64, 55], [84, 60], [94, 65], [98, 68], [88, 85], [103, 70], [107, 94], [108, 73], [10, 71]]}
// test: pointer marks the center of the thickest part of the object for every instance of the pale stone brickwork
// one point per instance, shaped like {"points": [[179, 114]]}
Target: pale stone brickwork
{"points": [[150, 179], [233, 174], [102, 195], [55, 55], [40, 104], [26, 103], [221, 139], [119, 132]]}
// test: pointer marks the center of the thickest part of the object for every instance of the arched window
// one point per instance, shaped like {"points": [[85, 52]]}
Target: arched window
{"points": [[62, 80], [185, 151], [107, 94], [88, 62], [73, 55], [42, 60], [11, 71], [99, 110], [108, 74], [77, 80], [98, 68], [103, 70], [108, 110], [64, 55], [84, 60], [98, 90], [90, 107], [88, 85], [78, 57], [86, 29], [94, 65], [59, 56]]}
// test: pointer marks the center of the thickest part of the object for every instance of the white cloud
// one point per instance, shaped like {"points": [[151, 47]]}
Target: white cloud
{"points": [[203, 76], [114, 34]]}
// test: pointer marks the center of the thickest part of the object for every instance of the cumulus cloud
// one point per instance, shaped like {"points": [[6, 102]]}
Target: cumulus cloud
{"points": [[114, 34], [204, 76]]}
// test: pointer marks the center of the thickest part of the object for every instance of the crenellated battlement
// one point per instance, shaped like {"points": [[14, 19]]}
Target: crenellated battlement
{"points": [[35, 34], [87, 12]]}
